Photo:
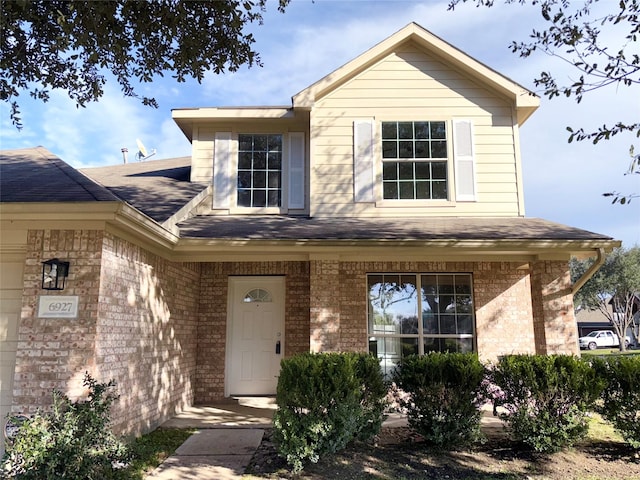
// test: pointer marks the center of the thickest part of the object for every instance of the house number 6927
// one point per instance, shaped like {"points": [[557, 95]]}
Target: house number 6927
{"points": [[56, 306]]}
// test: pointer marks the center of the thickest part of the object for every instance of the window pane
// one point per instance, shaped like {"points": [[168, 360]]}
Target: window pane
{"points": [[405, 149], [390, 149], [259, 198], [465, 324], [448, 324], [406, 191], [439, 170], [390, 190], [260, 160], [405, 129], [273, 198], [439, 149], [463, 284], [274, 180], [259, 179], [389, 130], [244, 160], [405, 170], [422, 150], [260, 143], [423, 170], [438, 130], [275, 161], [393, 304], [275, 143], [244, 198], [245, 142], [423, 190], [390, 171], [422, 130], [244, 180], [439, 190]]}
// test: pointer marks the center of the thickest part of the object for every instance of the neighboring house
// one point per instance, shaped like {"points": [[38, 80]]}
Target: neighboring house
{"points": [[383, 211]]}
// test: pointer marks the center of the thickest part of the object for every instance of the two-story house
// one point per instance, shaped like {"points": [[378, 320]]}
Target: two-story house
{"points": [[381, 211]]}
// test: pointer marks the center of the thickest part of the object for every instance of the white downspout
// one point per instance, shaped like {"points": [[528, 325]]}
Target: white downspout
{"points": [[589, 273]]}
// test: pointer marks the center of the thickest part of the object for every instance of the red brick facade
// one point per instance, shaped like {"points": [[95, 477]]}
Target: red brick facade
{"points": [[159, 327]]}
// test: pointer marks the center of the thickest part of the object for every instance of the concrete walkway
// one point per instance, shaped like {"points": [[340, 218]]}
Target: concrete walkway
{"points": [[226, 439]]}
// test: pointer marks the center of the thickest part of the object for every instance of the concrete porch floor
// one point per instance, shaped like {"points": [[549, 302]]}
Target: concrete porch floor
{"points": [[257, 412], [241, 412]]}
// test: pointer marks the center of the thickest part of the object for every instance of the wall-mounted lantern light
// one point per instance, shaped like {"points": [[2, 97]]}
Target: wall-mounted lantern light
{"points": [[54, 274]]}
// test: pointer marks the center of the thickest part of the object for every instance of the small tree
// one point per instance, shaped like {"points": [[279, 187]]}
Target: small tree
{"points": [[613, 290]]}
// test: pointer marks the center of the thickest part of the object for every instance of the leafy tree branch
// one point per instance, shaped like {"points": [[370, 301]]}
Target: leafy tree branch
{"points": [[70, 45]]}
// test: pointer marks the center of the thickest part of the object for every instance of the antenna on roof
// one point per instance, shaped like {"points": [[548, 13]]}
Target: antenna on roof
{"points": [[142, 154]]}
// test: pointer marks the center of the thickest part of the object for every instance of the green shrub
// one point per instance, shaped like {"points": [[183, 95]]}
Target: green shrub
{"points": [[443, 396], [324, 402], [546, 398], [621, 397], [71, 442]]}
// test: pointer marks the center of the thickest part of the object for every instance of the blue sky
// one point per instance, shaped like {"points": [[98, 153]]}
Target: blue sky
{"points": [[563, 182]]}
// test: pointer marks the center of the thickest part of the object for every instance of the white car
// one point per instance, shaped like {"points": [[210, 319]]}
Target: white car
{"points": [[602, 339]]}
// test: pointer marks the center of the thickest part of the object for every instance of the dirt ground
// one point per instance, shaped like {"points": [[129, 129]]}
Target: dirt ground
{"points": [[398, 454]]}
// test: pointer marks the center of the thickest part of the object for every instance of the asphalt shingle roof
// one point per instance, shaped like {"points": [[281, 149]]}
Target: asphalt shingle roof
{"points": [[424, 228], [37, 175], [157, 188]]}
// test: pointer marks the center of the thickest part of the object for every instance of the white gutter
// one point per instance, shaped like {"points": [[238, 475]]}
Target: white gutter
{"points": [[589, 273]]}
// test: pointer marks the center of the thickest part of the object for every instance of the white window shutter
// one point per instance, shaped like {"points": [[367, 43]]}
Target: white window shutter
{"points": [[363, 161], [296, 170], [464, 161], [222, 181]]}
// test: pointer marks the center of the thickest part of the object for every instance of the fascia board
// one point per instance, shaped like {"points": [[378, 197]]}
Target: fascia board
{"points": [[475, 250]]}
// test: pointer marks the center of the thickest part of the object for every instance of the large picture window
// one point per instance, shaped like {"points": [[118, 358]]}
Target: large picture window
{"points": [[259, 170], [419, 313], [414, 160]]}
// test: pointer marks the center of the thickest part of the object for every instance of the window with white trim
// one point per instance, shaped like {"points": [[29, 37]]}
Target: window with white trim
{"points": [[412, 313], [414, 160], [259, 170]]}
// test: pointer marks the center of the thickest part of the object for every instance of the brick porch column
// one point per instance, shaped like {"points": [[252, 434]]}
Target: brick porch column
{"points": [[554, 323], [324, 283]]}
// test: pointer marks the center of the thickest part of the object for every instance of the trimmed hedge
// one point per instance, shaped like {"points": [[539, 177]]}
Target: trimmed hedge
{"points": [[324, 402], [444, 394], [621, 396], [546, 398]]}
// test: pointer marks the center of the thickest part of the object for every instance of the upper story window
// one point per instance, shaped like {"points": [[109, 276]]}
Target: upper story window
{"points": [[259, 170], [414, 160]]}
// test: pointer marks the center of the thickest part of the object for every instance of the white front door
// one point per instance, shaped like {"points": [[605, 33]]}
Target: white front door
{"points": [[255, 335]]}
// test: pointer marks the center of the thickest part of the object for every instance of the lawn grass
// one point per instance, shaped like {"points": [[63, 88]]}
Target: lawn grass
{"points": [[150, 450], [604, 352]]}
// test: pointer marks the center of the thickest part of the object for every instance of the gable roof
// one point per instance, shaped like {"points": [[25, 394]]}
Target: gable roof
{"points": [[37, 175], [526, 102]]}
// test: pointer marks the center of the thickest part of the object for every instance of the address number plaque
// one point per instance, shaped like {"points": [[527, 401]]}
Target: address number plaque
{"points": [[54, 306]]}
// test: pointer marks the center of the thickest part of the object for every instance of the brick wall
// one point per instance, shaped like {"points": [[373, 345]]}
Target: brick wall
{"points": [[212, 326], [136, 324], [54, 353], [146, 333], [553, 314]]}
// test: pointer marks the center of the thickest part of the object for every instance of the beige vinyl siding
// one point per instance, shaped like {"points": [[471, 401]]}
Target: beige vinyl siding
{"points": [[12, 259], [412, 85], [202, 155]]}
